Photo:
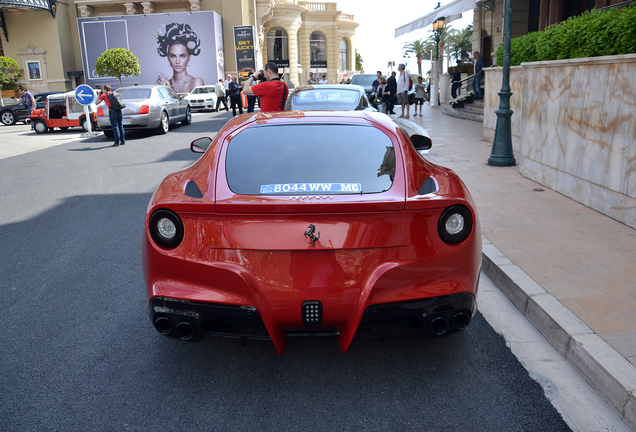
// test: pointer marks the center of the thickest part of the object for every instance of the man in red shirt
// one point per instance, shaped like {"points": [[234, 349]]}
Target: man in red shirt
{"points": [[115, 117], [273, 93]]}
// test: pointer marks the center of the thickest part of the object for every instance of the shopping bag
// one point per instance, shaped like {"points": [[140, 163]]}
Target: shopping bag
{"points": [[244, 99]]}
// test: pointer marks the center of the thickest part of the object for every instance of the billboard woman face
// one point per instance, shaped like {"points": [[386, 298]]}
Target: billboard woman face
{"points": [[178, 57]]}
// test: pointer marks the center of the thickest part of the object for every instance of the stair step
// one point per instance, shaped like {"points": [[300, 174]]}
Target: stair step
{"points": [[472, 108], [463, 114]]}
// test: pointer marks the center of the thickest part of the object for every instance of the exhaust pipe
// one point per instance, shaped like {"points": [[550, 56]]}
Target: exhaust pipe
{"points": [[185, 330], [438, 326], [460, 320], [163, 325]]}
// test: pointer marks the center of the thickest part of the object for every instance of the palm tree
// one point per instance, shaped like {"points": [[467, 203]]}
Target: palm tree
{"points": [[421, 48], [391, 64], [461, 43]]}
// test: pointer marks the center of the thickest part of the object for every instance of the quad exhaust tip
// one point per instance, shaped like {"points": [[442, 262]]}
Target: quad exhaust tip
{"points": [[185, 330], [163, 325]]}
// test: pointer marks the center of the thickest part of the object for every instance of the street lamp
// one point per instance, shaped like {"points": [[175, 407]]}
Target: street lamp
{"points": [[501, 154], [438, 25]]}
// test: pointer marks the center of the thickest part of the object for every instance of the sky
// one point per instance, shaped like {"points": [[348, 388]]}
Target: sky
{"points": [[378, 20]]}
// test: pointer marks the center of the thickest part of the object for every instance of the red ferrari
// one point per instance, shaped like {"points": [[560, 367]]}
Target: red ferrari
{"points": [[311, 223]]}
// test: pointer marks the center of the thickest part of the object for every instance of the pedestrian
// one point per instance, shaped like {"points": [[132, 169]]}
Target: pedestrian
{"points": [[114, 115], [311, 80], [456, 81], [29, 101], [219, 90], [420, 91], [392, 87], [479, 74], [376, 82], [235, 96], [272, 92], [324, 80], [251, 99], [382, 95], [403, 90]]}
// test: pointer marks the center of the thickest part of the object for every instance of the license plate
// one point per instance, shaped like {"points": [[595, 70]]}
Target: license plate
{"points": [[126, 121]]}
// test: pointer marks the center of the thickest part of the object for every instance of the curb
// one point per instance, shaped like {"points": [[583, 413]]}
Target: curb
{"points": [[609, 373]]}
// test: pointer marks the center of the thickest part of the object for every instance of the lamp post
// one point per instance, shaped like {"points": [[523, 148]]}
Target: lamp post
{"points": [[502, 146], [438, 25]]}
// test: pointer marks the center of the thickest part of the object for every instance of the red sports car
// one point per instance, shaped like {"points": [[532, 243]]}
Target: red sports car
{"points": [[311, 223]]}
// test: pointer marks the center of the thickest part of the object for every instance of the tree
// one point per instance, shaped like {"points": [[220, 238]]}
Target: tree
{"points": [[391, 64], [421, 48], [461, 43], [117, 62], [9, 71], [359, 62]]}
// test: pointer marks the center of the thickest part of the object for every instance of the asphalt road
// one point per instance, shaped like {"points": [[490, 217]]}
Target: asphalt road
{"points": [[78, 352]]}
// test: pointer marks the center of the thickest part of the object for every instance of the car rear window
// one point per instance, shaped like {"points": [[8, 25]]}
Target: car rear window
{"points": [[364, 80], [325, 99], [142, 93], [309, 159]]}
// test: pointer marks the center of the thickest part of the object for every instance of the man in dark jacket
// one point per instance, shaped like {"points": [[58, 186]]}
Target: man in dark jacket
{"points": [[479, 74], [391, 84]]}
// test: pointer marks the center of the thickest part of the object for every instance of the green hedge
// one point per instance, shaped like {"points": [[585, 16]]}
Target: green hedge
{"points": [[592, 34]]}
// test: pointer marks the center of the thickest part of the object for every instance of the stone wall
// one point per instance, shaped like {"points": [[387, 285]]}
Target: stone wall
{"points": [[574, 128]]}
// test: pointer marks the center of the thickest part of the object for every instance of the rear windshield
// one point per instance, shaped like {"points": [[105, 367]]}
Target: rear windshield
{"points": [[133, 93], [364, 80], [310, 159], [325, 99]]}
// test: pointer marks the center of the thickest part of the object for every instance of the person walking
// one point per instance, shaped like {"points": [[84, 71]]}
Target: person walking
{"points": [[479, 74], [391, 85], [29, 101], [403, 90], [235, 96], [114, 115], [420, 91], [272, 92], [219, 90]]}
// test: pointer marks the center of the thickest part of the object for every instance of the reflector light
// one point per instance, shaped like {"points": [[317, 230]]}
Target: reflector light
{"points": [[100, 112], [312, 313]]}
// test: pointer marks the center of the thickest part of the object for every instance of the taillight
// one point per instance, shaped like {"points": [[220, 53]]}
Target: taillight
{"points": [[144, 109], [100, 112]]}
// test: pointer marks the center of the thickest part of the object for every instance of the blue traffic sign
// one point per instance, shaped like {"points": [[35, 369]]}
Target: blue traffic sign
{"points": [[84, 94]]}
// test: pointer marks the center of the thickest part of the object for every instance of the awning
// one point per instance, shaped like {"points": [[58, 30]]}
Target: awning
{"points": [[450, 12], [22, 6]]}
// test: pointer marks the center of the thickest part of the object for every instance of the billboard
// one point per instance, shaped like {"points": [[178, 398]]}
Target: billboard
{"points": [[184, 49], [244, 47]]}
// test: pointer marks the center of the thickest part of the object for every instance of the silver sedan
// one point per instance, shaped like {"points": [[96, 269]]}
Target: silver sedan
{"points": [[151, 107]]}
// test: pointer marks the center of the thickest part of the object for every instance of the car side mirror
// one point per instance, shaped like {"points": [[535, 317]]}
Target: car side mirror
{"points": [[200, 145], [421, 142]]}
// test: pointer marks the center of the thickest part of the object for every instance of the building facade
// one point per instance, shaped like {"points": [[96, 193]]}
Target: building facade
{"points": [[527, 16], [300, 36]]}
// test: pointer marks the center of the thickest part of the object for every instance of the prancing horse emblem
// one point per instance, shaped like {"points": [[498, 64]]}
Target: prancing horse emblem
{"points": [[311, 235]]}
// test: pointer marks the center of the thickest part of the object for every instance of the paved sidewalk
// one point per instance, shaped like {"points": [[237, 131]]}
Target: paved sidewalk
{"points": [[570, 269]]}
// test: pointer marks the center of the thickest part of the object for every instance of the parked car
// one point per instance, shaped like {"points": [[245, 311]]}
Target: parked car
{"points": [[62, 110], [202, 97], [151, 107], [322, 97], [40, 98], [366, 81], [311, 223], [11, 114]]}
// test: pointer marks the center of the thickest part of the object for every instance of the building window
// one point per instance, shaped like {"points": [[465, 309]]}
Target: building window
{"points": [[344, 55], [318, 47], [277, 49]]}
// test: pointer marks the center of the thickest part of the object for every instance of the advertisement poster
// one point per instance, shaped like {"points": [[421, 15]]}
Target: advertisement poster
{"points": [[182, 49], [245, 53]]}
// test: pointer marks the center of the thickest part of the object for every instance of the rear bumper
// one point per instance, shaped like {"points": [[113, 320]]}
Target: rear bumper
{"points": [[189, 320]]}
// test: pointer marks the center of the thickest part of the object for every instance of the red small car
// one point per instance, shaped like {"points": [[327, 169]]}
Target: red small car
{"points": [[311, 223]]}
